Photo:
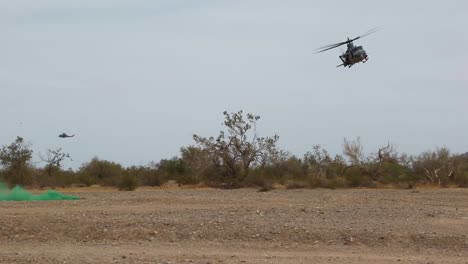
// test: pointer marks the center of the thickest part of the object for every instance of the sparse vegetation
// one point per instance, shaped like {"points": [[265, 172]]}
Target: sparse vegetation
{"points": [[128, 182], [240, 157], [239, 149], [102, 172], [15, 161], [51, 173]]}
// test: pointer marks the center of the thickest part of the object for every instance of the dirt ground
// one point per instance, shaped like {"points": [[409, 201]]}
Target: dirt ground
{"points": [[239, 226]]}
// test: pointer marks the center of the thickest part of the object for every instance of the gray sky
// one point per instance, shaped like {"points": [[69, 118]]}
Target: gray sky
{"points": [[135, 79]]}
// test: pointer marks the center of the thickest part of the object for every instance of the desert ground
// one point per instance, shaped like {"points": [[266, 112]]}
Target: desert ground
{"points": [[179, 225]]}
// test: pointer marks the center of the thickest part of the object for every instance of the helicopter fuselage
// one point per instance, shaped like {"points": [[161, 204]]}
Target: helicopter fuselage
{"points": [[353, 55]]}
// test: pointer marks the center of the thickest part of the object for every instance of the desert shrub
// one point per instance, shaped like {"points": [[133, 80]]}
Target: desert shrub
{"points": [[238, 149], [295, 184], [128, 182], [356, 177], [315, 182], [187, 179], [290, 167], [86, 178], [198, 164], [258, 179], [435, 167], [214, 177], [318, 163], [60, 178], [2, 175], [23, 176], [255, 180], [101, 172], [174, 169], [281, 170], [335, 183], [266, 188], [146, 175], [66, 178], [462, 179], [42, 179], [15, 159], [392, 173], [461, 170], [52, 174]]}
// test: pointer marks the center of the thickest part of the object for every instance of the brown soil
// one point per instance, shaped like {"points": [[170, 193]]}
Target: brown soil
{"points": [[239, 226]]}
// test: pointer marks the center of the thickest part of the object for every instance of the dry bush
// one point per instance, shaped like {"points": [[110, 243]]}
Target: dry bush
{"points": [[15, 160], [128, 182], [146, 175], [239, 148], [356, 177], [296, 184], [102, 172], [336, 183], [259, 181]]}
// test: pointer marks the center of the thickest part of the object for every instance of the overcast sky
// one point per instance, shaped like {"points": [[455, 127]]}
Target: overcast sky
{"points": [[135, 79]]}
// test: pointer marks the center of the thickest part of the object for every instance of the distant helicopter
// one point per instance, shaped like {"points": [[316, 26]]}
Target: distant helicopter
{"points": [[64, 135], [354, 54]]}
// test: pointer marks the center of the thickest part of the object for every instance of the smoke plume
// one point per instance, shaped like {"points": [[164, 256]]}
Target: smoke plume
{"points": [[20, 194]]}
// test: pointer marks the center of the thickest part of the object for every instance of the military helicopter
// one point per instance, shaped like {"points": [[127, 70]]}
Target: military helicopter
{"points": [[64, 135], [354, 54]]}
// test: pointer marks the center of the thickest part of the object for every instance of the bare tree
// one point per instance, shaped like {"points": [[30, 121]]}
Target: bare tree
{"points": [[240, 147], [437, 165], [319, 161], [374, 165], [53, 160], [387, 153], [353, 150]]}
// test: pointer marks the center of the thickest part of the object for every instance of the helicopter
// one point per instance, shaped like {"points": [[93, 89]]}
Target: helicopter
{"points": [[353, 54], [64, 135]]}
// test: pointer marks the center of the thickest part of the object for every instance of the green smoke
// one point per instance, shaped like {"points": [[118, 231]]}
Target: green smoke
{"points": [[20, 194]]}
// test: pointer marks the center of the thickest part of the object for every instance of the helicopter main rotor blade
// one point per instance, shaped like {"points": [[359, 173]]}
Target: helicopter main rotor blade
{"points": [[351, 40], [363, 35], [370, 32], [329, 47], [332, 46]]}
